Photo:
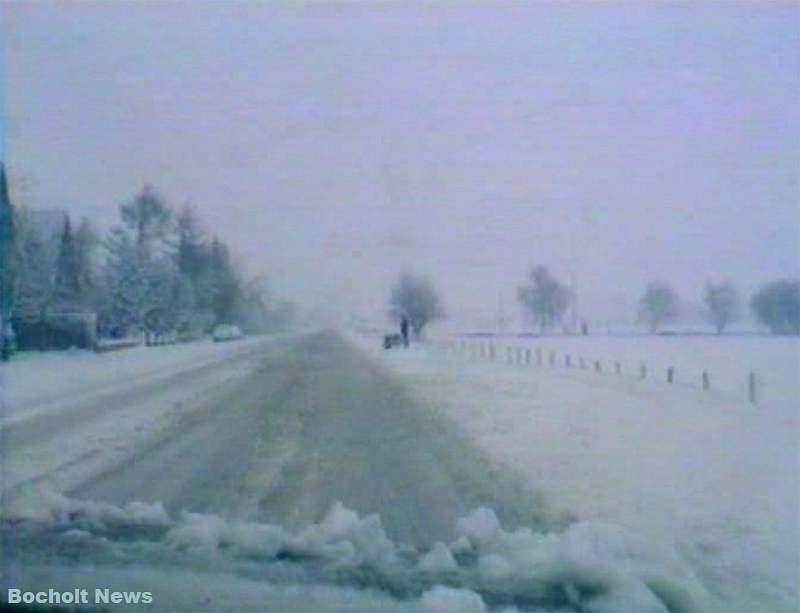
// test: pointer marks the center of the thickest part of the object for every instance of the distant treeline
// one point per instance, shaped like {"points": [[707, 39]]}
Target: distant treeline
{"points": [[545, 300], [156, 271], [776, 305]]}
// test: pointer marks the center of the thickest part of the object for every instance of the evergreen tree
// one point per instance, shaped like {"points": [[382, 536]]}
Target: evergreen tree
{"points": [[126, 281], [85, 245], [8, 265], [148, 217], [8, 249], [35, 279], [226, 285], [68, 273], [191, 249]]}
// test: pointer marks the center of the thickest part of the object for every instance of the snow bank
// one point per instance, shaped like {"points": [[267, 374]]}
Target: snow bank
{"points": [[55, 510], [599, 566], [438, 560], [342, 536], [592, 566], [73, 374], [443, 599]]}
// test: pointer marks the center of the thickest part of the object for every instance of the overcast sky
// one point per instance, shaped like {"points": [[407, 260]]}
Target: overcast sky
{"points": [[337, 144]]}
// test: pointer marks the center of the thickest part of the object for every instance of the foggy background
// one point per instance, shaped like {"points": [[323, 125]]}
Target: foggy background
{"points": [[335, 145]]}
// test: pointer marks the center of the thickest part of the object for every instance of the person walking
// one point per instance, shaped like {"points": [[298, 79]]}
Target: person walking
{"points": [[404, 330]]}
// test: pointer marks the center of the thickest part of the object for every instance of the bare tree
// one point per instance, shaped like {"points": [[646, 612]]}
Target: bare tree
{"points": [[545, 299], [777, 305], [722, 301], [658, 305], [415, 299]]}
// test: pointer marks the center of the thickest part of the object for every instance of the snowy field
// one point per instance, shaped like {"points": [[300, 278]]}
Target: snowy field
{"points": [[707, 473], [729, 360]]}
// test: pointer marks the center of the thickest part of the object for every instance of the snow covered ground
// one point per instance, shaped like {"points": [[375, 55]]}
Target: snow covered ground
{"points": [[729, 360], [655, 497], [69, 415], [41, 381], [708, 472]]}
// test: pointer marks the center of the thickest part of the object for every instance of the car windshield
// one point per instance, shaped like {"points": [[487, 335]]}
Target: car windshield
{"points": [[405, 306]]}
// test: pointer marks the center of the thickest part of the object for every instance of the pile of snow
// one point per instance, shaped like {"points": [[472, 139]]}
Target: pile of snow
{"points": [[342, 537], [443, 599], [599, 566], [55, 510], [591, 566]]}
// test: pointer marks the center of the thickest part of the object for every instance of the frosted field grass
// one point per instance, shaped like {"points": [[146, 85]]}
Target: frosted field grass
{"points": [[707, 472]]}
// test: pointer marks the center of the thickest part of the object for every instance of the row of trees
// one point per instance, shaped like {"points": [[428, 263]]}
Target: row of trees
{"points": [[776, 305], [156, 271], [545, 300]]}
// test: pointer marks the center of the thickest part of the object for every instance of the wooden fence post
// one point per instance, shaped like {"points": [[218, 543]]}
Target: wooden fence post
{"points": [[567, 361], [597, 366], [706, 381], [670, 374], [527, 356], [643, 371], [552, 359], [539, 357], [618, 368]]}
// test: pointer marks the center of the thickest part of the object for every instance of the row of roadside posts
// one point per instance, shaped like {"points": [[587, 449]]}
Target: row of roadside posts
{"points": [[529, 356]]}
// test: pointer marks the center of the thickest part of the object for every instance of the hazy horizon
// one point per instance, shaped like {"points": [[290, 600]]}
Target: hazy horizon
{"points": [[335, 145]]}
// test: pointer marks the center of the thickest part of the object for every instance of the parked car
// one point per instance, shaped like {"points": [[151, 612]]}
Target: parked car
{"points": [[227, 332]]}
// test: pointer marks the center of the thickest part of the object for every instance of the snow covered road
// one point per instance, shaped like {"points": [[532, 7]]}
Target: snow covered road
{"points": [[66, 421], [373, 480], [308, 426]]}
